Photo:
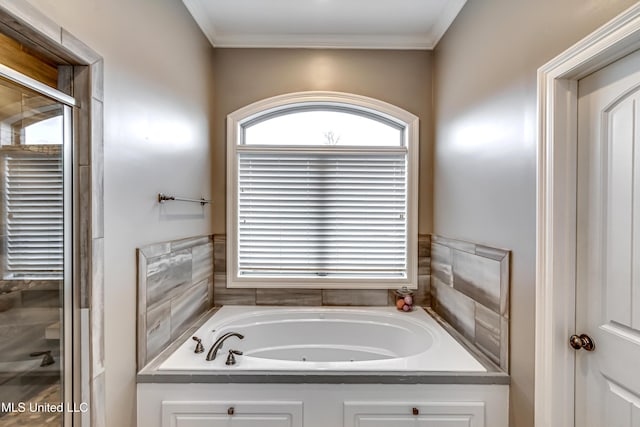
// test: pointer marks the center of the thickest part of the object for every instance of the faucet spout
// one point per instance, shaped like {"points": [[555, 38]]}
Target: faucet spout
{"points": [[213, 351]]}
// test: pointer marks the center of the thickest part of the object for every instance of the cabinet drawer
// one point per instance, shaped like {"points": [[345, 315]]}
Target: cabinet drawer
{"points": [[231, 414], [432, 414]]}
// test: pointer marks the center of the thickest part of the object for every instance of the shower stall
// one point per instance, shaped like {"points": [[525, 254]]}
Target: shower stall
{"points": [[35, 252]]}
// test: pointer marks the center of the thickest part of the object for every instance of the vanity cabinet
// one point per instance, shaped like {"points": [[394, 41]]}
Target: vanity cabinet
{"points": [[440, 414], [231, 414], [322, 405]]}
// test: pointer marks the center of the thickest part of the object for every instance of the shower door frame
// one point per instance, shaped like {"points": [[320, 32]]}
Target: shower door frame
{"points": [[67, 321], [80, 75]]}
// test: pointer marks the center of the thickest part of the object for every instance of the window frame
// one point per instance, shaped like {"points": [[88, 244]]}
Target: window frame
{"points": [[362, 105]]}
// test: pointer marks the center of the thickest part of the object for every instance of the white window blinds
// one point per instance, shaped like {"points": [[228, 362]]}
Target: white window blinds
{"points": [[34, 215], [322, 214]]}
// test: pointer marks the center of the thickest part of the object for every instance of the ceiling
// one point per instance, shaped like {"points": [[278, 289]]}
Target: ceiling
{"points": [[366, 24]]}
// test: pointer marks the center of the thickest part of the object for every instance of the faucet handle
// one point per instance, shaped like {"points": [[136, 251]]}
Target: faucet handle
{"points": [[47, 358], [199, 346], [231, 359]]}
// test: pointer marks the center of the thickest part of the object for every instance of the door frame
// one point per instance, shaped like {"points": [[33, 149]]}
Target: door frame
{"points": [[556, 209], [80, 75]]}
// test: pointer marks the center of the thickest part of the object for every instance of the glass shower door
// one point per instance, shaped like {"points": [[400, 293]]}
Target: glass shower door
{"points": [[35, 274]]}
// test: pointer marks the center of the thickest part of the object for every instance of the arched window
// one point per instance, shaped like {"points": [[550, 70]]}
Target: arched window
{"points": [[322, 193]]}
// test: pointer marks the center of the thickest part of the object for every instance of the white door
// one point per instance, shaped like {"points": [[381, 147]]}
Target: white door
{"points": [[607, 385]]}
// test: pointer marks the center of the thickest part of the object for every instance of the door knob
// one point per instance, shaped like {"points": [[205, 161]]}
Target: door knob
{"points": [[582, 341]]}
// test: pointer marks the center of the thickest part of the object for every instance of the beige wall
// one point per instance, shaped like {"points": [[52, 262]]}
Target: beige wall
{"points": [[485, 151], [158, 87], [159, 91], [243, 76]]}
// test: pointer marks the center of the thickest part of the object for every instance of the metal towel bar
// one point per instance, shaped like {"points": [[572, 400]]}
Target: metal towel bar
{"points": [[165, 197]]}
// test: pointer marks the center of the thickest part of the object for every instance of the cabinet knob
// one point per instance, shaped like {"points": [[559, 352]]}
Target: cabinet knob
{"points": [[231, 410], [415, 411]]}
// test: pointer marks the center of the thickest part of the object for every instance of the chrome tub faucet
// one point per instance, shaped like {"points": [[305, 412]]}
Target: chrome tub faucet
{"points": [[211, 355]]}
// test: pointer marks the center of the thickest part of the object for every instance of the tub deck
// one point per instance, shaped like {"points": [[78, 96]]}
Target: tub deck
{"points": [[443, 368]]}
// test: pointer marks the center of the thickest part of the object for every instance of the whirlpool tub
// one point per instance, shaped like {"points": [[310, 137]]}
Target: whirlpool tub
{"points": [[324, 339]]}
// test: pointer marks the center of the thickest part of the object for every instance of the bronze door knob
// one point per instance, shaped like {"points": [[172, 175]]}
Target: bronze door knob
{"points": [[582, 341]]}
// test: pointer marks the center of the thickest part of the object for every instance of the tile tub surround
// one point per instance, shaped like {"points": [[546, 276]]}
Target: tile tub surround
{"points": [[175, 287], [314, 297], [470, 290], [467, 284]]}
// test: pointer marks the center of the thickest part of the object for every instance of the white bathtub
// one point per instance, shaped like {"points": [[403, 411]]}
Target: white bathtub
{"points": [[325, 339]]}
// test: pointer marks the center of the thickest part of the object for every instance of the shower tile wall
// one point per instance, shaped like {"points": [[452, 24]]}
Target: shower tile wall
{"points": [[314, 297], [175, 287], [470, 290]]}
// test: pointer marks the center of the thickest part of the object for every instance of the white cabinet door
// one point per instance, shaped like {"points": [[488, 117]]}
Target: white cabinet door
{"points": [[231, 414], [219, 420], [435, 414], [407, 421]]}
